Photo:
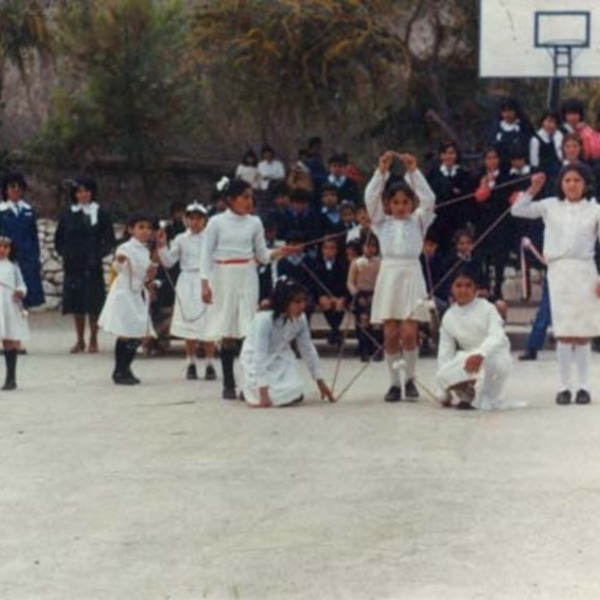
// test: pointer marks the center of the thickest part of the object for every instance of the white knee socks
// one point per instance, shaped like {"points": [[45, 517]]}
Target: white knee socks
{"points": [[564, 353], [390, 360], [583, 357], [410, 358]]}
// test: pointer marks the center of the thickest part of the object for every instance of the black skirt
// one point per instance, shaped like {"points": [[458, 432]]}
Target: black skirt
{"points": [[84, 292]]}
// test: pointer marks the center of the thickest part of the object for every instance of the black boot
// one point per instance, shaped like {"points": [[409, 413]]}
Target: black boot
{"points": [[131, 347], [227, 359], [363, 344], [10, 358]]}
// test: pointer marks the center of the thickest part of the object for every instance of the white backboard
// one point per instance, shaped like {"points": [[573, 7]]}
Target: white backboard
{"points": [[510, 29]]}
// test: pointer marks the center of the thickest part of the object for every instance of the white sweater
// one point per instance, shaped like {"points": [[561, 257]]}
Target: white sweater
{"points": [[186, 249], [475, 328], [400, 238], [571, 228], [229, 236]]}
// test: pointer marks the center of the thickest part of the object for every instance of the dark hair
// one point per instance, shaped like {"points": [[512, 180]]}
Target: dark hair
{"points": [[235, 188], [550, 114], [314, 141], [368, 237], [490, 148], [398, 187], [467, 271], [12, 178], [85, 182], [572, 105], [279, 189], [572, 137], [267, 148], [177, 206], [585, 173], [284, 292], [139, 218], [517, 151], [300, 195], [510, 103], [445, 146], [355, 245], [249, 154], [462, 233], [337, 159], [329, 188]]}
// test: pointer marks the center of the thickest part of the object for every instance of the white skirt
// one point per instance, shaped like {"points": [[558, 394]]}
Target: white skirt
{"points": [[574, 306], [13, 323], [189, 313], [400, 291], [126, 314], [284, 380], [234, 301]]}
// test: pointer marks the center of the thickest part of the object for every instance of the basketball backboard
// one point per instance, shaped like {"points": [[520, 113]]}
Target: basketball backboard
{"points": [[539, 38]]}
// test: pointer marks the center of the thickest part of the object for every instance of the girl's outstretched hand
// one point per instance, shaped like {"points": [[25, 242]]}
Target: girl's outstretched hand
{"points": [[408, 160], [385, 161], [326, 393], [537, 183]]}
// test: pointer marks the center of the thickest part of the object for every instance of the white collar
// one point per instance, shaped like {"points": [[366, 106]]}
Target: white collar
{"points": [[516, 126], [524, 171], [91, 210], [16, 207], [449, 171]]}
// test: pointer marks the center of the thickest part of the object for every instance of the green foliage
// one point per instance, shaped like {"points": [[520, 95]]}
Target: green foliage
{"points": [[126, 91]]}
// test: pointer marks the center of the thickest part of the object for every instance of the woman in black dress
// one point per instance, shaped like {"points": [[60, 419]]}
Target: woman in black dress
{"points": [[84, 236]]}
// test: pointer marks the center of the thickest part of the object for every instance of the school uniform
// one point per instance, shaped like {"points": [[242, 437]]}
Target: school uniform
{"points": [[83, 238], [510, 135], [545, 153], [447, 184], [571, 232], [18, 221], [189, 313], [126, 310], [13, 323], [400, 290], [474, 328], [267, 359], [346, 188], [233, 243]]}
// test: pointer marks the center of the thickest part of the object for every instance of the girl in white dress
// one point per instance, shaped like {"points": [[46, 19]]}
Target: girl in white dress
{"points": [[233, 242], [269, 365], [13, 321], [190, 313], [474, 351], [400, 217], [572, 226], [126, 311]]}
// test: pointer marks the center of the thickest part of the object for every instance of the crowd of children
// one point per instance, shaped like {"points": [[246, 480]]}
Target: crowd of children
{"points": [[419, 262]]}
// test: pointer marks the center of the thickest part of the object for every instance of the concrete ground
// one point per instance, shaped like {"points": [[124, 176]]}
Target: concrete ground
{"points": [[165, 491]]}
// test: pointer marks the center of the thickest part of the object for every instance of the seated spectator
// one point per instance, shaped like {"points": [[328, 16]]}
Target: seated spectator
{"points": [[331, 270], [280, 213], [302, 218], [299, 176], [545, 150], [248, 170], [362, 276], [573, 115], [331, 218], [346, 187], [513, 127], [314, 162], [363, 224], [270, 168]]}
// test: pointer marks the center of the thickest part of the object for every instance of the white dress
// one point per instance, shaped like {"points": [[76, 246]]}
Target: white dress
{"points": [[232, 245], [126, 312], [400, 292], [474, 328], [190, 313], [570, 235], [267, 359], [13, 322]]}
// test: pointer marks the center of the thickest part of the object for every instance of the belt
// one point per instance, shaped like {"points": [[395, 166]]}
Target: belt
{"points": [[234, 261]]}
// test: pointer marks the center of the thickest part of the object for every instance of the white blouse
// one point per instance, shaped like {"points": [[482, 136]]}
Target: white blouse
{"points": [[571, 228], [229, 236], [186, 249], [475, 328], [131, 274], [269, 339], [400, 238], [270, 171]]}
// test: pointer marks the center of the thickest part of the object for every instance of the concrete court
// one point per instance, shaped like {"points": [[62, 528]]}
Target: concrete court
{"points": [[166, 492]]}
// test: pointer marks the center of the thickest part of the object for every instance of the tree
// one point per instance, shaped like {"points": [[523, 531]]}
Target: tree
{"points": [[125, 91]]}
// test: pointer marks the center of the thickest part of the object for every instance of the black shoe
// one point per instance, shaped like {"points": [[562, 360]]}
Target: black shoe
{"points": [[298, 400], [410, 390], [529, 355], [229, 394], [124, 379], [191, 373], [583, 397], [364, 358], [563, 398], [210, 374], [394, 394], [131, 376], [463, 405], [11, 384]]}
